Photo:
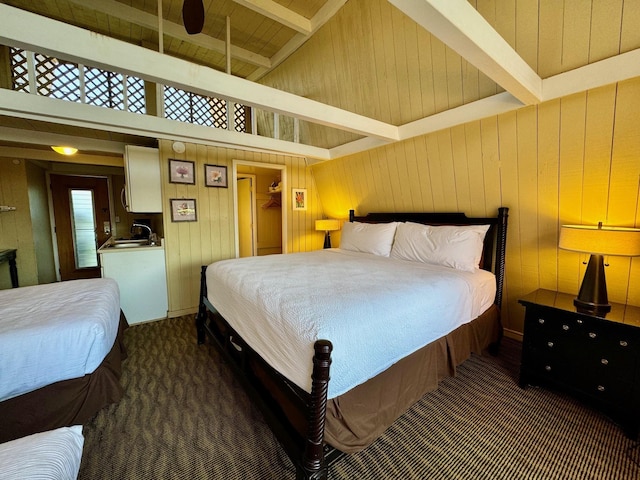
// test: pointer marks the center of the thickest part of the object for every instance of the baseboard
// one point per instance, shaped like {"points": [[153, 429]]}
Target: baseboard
{"points": [[514, 334], [180, 313]]}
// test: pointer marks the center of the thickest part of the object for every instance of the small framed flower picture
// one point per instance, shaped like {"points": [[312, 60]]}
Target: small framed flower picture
{"points": [[215, 176], [182, 171], [183, 210], [299, 198]]}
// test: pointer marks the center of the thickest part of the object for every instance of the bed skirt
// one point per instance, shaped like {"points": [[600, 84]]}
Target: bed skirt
{"points": [[66, 403], [354, 421]]}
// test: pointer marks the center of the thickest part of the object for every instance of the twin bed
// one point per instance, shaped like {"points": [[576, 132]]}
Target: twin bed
{"points": [[405, 299], [60, 354]]}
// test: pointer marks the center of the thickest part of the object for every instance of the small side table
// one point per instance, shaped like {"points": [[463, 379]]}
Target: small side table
{"points": [[10, 256]]}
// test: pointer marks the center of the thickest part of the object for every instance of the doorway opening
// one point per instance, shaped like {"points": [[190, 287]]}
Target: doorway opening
{"points": [[260, 219], [81, 223]]}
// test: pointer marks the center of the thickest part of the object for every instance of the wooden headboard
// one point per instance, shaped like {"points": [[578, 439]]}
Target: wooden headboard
{"points": [[493, 253]]}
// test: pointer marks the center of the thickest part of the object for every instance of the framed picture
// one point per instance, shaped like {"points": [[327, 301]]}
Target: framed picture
{"points": [[215, 176], [182, 171], [299, 198], [183, 210]]}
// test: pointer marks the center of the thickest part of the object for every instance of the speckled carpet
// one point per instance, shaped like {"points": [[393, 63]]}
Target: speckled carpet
{"points": [[184, 416]]}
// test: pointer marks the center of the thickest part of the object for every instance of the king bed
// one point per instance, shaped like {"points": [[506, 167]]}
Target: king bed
{"points": [[405, 299], [60, 354]]}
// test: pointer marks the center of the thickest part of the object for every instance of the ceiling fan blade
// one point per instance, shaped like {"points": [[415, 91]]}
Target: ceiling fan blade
{"points": [[193, 16]]}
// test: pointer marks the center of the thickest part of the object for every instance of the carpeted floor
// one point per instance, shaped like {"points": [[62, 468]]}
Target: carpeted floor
{"points": [[183, 416]]}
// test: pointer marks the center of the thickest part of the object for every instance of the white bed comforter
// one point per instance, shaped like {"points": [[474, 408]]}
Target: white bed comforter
{"points": [[374, 310], [55, 332]]}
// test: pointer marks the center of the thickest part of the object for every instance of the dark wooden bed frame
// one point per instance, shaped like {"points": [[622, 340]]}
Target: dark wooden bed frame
{"points": [[296, 417]]}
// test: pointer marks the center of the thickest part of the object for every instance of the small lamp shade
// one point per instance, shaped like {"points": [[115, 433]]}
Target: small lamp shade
{"points": [[327, 225], [598, 241]]}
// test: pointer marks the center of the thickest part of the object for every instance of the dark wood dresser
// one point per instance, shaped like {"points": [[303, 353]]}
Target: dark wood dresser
{"points": [[594, 358]]}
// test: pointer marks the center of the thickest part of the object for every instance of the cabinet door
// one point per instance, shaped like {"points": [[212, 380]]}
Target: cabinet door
{"points": [[143, 184]]}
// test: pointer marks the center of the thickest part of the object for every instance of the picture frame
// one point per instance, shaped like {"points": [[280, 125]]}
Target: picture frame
{"points": [[216, 176], [183, 210], [299, 198], [182, 171]]}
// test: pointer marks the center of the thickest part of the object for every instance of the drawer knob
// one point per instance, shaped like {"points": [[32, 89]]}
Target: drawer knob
{"points": [[541, 321], [580, 321], [600, 388], [565, 327], [623, 343], [592, 335], [547, 368], [604, 361], [550, 344]]}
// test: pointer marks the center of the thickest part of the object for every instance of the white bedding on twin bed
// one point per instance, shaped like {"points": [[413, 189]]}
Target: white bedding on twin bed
{"points": [[55, 332], [375, 310], [51, 455]]}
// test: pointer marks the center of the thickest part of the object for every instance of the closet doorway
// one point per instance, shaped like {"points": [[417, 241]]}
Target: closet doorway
{"points": [[260, 216]]}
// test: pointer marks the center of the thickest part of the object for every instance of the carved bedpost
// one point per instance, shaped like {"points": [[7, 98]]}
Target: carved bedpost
{"points": [[501, 239], [313, 461], [201, 317]]}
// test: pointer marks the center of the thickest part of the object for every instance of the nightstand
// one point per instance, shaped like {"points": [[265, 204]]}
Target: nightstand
{"points": [[594, 358]]}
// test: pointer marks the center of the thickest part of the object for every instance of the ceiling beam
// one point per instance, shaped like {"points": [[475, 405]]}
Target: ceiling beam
{"points": [[18, 135], [63, 112], [150, 21], [459, 26], [278, 13], [40, 34], [51, 156]]}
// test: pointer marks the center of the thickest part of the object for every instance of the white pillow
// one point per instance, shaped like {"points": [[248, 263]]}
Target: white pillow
{"points": [[375, 238], [449, 245]]}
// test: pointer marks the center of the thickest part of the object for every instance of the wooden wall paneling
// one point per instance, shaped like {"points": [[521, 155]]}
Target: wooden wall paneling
{"points": [[526, 31], [437, 186], [575, 35], [486, 86], [491, 166], [390, 17], [624, 194], [461, 170], [422, 162], [413, 173], [548, 192], [447, 170], [550, 38], [426, 73], [406, 53], [508, 153], [572, 123], [473, 143], [454, 78], [383, 98], [629, 32], [505, 11], [398, 188], [527, 155], [605, 30], [439, 69]]}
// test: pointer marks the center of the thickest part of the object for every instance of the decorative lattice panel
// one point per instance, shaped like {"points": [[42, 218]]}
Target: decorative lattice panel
{"points": [[19, 70], [57, 79], [135, 95], [103, 88], [240, 118]]}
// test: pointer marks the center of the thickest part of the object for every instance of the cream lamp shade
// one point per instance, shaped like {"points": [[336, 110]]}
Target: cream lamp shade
{"points": [[601, 240], [64, 150], [327, 225], [598, 241]]}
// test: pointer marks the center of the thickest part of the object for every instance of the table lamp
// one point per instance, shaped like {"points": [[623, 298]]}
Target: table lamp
{"points": [[598, 241], [327, 225]]}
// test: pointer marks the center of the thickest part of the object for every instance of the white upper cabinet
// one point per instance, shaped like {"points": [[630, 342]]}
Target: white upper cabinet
{"points": [[142, 180]]}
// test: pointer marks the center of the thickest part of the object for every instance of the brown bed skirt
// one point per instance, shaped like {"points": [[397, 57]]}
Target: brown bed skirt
{"points": [[354, 420], [66, 403]]}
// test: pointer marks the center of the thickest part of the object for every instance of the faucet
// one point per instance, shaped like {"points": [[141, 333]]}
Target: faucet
{"points": [[151, 234]]}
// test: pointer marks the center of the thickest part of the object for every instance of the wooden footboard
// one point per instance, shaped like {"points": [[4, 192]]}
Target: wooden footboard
{"points": [[296, 417]]}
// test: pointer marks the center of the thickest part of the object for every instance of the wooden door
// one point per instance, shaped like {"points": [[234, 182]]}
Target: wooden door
{"points": [[76, 261], [245, 217]]}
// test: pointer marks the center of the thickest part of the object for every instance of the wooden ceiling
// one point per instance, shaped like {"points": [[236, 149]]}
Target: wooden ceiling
{"points": [[357, 73]]}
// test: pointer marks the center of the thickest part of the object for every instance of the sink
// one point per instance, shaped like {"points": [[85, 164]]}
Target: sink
{"points": [[128, 245]]}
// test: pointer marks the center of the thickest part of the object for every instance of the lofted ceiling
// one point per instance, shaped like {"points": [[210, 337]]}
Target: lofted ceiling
{"points": [[370, 60]]}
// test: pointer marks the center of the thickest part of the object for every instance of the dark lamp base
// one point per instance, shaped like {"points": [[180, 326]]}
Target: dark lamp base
{"points": [[592, 298], [327, 240], [592, 308]]}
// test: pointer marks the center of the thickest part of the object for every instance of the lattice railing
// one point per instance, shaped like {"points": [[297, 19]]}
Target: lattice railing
{"points": [[70, 81]]}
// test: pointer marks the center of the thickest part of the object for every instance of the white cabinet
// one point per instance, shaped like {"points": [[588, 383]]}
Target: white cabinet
{"points": [[141, 276], [143, 187]]}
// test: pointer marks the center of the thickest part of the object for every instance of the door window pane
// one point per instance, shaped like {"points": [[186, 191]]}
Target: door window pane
{"points": [[83, 226]]}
